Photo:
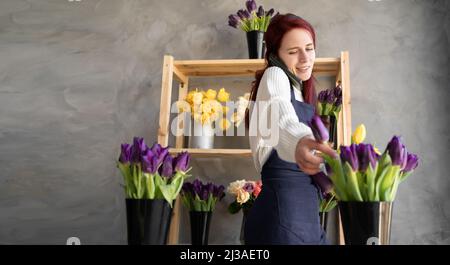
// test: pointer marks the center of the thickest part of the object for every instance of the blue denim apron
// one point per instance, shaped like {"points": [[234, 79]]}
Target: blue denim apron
{"points": [[286, 211]]}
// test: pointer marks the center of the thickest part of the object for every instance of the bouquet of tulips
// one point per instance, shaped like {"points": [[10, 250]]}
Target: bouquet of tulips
{"points": [[330, 102], [361, 173], [206, 107], [152, 173], [251, 18], [245, 193], [199, 197]]}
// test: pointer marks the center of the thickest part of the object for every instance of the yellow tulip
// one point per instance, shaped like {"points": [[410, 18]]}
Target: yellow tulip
{"points": [[211, 94], [376, 150], [359, 134], [223, 96]]}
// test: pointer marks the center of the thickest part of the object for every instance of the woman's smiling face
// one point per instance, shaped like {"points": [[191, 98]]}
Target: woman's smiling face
{"points": [[297, 51]]}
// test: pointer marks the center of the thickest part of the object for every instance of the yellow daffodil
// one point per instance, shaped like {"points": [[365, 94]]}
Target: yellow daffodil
{"points": [[216, 106], [197, 117], [359, 135], [211, 94], [207, 107], [206, 119], [214, 116], [224, 124], [197, 98], [223, 96], [190, 96], [183, 106]]}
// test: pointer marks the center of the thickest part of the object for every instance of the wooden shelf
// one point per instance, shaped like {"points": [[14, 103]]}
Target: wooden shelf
{"points": [[213, 152], [241, 67]]}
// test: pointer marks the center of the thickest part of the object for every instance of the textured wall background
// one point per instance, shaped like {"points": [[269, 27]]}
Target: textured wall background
{"points": [[79, 78]]}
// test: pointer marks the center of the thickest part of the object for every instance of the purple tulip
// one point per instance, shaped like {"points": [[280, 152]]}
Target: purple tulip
{"points": [[125, 155], [241, 14], [219, 191], [204, 195], [397, 151], [330, 96], [149, 162], [197, 185], [251, 5], [366, 155], [270, 12], [349, 154], [412, 163], [188, 188], [319, 130], [323, 182], [338, 102], [181, 162], [233, 20], [322, 97], [160, 152], [138, 149], [166, 170], [337, 92], [260, 12]]}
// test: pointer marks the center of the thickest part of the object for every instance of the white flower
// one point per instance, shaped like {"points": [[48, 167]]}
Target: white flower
{"points": [[235, 186]]}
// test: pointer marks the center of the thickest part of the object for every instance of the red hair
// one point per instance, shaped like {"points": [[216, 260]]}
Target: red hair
{"points": [[278, 27]]}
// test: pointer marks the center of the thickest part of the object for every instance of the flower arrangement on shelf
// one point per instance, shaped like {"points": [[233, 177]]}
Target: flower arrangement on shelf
{"points": [[330, 101], [245, 193], [200, 197], [206, 107], [361, 173], [251, 18], [152, 173]]}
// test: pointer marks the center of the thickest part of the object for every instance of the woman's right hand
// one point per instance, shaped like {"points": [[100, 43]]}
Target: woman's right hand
{"points": [[306, 160]]}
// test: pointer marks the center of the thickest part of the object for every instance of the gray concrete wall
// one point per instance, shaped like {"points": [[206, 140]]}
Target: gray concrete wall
{"points": [[79, 78]]}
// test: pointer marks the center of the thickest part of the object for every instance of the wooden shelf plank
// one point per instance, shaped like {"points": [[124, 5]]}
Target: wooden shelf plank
{"points": [[243, 67], [213, 152]]}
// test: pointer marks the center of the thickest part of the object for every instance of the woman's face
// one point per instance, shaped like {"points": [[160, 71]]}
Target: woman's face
{"points": [[298, 53]]}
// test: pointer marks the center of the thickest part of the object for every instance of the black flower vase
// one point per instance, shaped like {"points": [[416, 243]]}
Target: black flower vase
{"points": [[255, 43], [148, 221], [200, 227], [366, 223], [244, 218]]}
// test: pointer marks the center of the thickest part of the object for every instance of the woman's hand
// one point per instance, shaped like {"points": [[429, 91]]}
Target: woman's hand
{"points": [[306, 160]]}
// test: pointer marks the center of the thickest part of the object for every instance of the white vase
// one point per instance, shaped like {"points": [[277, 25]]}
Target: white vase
{"points": [[202, 136]]}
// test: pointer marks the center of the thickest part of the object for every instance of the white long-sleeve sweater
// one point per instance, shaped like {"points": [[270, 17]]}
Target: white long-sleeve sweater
{"points": [[275, 88]]}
